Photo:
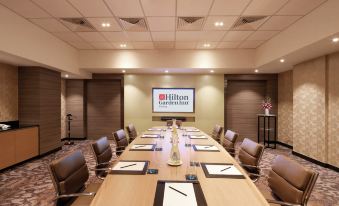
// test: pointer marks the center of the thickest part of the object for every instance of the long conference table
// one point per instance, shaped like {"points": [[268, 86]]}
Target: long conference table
{"points": [[139, 190]]}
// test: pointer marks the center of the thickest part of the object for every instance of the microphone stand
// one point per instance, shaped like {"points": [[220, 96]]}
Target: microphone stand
{"points": [[69, 119]]}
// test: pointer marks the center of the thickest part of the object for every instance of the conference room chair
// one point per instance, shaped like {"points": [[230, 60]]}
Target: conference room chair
{"points": [[290, 182], [250, 154], [169, 123], [69, 175], [216, 132], [132, 132], [178, 123], [229, 141], [103, 156], [120, 140]]}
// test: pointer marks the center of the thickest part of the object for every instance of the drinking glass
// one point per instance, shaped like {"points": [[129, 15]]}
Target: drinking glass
{"points": [[191, 171]]}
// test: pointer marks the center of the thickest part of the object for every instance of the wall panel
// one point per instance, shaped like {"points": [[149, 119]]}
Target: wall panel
{"points": [[8, 93]]}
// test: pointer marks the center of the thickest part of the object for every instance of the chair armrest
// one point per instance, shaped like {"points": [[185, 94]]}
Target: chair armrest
{"points": [[281, 203], [102, 169], [251, 166], [75, 195]]}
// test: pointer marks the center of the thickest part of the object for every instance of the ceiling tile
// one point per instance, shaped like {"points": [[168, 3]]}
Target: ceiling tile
{"points": [[158, 7], [262, 35], [164, 44], [229, 45], [161, 23], [68, 36], [264, 7], [90, 8], [228, 21], [139, 36], [59, 8], [201, 45], [279, 22], [25, 8], [237, 35], [193, 7], [91, 36], [163, 36], [96, 22], [228, 7], [188, 35], [212, 35], [50, 24], [102, 45], [143, 45], [125, 8], [185, 45], [81, 45], [299, 7], [128, 45], [250, 44], [115, 36]]}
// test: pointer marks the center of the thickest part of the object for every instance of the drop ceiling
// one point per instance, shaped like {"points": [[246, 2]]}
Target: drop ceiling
{"points": [[161, 29]]}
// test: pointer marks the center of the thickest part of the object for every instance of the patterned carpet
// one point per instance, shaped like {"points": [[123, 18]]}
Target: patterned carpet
{"points": [[30, 183]]}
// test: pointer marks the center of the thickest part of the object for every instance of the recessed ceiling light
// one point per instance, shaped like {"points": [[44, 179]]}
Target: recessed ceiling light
{"points": [[105, 24], [256, 71], [123, 45], [206, 45], [335, 39], [123, 71], [282, 60], [218, 23], [166, 71], [66, 75], [212, 71]]}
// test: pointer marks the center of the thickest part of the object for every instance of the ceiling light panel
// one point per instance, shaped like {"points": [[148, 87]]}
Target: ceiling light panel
{"points": [[97, 23], [299, 7], [25, 8], [90, 8], [228, 7], [163, 36], [91, 36], [227, 21], [193, 7], [125, 8], [59, 8], [50, 25], [279, 22], [159, 7], [161, 23], [264, 7]]}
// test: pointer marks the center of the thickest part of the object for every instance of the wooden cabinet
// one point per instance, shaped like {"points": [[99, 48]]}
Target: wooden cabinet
{"points": [[18, 145]]}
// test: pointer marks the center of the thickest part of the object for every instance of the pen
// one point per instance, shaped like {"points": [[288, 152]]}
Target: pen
{"points": [[128, 166], [177, 191], [225, 169]]}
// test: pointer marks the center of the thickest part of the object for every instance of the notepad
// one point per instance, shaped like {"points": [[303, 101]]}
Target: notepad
{"points": [[209, 148], [198, 137], [222, 170], [192, 130], [142, 147], [154, 129], [150, 135], [174, 194], [129, 166]]}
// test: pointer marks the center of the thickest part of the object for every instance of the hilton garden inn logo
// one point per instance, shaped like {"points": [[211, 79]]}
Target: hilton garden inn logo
{"points": [[173, 99]]}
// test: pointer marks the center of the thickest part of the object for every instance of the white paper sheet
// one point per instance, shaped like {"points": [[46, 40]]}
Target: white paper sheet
{"points": [[192, 130], [154, 129], [216, 170], [206, 148], [139, 166], [150, 135], [198, 137], [142, 146], [174, 198]]}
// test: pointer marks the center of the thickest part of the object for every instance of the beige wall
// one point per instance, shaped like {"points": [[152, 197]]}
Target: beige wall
{"points": [[209, 99], [8, 93], [285, 108]]}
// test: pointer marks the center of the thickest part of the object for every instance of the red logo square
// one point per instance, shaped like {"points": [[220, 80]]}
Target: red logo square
{"points": [[161, 96]]}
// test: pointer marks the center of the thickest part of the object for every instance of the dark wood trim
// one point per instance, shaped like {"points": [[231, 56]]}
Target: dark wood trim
{"points": [[317, 162], [284, 144], [107, 76], [73, 138], [251, 76], [122, 102]]}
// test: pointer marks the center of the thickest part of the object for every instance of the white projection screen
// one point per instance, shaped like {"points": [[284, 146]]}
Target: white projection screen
{"points": [[166, 100]]}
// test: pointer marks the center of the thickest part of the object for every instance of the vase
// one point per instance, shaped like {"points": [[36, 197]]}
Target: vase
{"points": [[267, 112]]}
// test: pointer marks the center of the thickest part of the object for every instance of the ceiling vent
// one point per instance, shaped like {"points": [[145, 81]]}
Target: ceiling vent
{"points": [[134, 24], [190, 23], [78, 24], [249, 22]]}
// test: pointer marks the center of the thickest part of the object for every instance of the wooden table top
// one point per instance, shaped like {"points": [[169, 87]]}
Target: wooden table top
{"points": [[139, 190]]}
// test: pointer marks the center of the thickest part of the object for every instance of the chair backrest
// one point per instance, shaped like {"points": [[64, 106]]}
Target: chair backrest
{"points": [[132, 132], [69, 173], [290, 181], [217, 131], [120, 138], [250, 152], [169, 123], [229, 139], [102, 150], [178, 123]]}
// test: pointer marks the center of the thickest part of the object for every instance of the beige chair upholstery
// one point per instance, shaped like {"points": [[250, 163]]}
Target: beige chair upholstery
{"points": [[132, 132], [69, 175], [103, 155], [229, 141], [290, 181], [120, 140], [216, 133]]}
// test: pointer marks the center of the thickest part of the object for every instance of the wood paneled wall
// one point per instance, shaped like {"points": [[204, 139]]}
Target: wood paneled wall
{"points": [[243, 97], [39, 103], [75, 105], [8, 93]]}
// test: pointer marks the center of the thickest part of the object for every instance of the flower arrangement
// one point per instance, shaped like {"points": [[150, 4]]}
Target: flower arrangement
{"points": [[266, 103]]}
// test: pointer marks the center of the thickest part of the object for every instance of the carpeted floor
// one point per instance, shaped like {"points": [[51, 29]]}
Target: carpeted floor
{"points": [[30, 183]]}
